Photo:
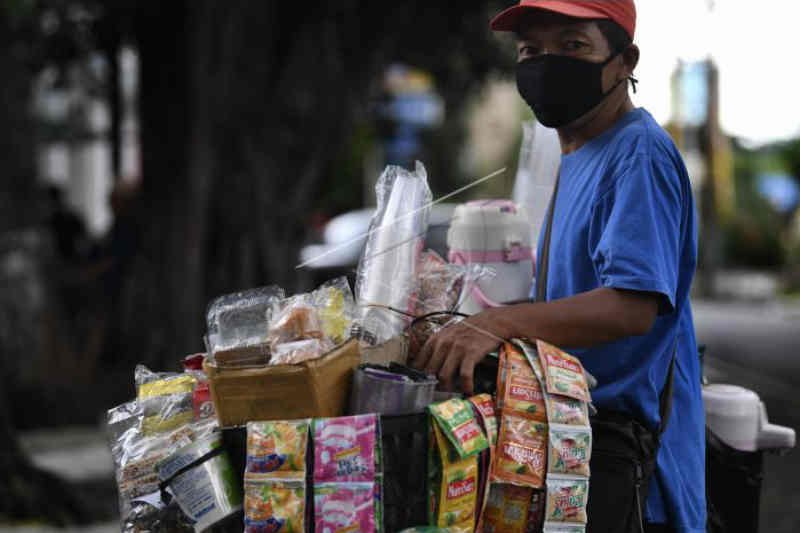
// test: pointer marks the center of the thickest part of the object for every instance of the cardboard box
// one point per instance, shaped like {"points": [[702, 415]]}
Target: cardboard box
{"points": [[395, 350], [318, 388]]}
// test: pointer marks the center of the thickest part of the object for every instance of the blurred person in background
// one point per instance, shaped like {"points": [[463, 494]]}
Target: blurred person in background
{"points": [[622, 257], [66, 226]]}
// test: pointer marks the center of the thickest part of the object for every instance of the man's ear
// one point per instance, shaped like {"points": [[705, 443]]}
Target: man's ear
{"points": [[630, 58]]}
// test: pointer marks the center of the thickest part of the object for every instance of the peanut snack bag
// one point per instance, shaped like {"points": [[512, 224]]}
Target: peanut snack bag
{"points": [[275, 504], [567, 497], [570, 450], [521, 457], [456, 487], [457, 422], [563, 372], [278, 446]]}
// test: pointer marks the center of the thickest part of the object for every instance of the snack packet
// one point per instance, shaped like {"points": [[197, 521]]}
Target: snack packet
{"points": [[345, 449], [455, 485], [570, 450], [507, 509], [344, 508], [278, 446], [567, 497], [530, 353], [484, 410], [563, 372], [165, 399], [275, 504], [566, 410], [337, 308], [524, 397], [521, 452], [457, 422]]}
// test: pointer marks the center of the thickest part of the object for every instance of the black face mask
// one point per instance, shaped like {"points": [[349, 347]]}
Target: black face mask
{"points": [[561, 89]]}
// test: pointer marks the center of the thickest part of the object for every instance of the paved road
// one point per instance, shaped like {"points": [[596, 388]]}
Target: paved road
{"points": [[757, 346]]}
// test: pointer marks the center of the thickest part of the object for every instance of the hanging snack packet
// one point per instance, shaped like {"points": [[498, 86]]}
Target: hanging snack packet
{"points": [[457, 422], [567, 497], [278, 446], [344, 507], [563, 372], [570, 450], [345, 449], [524, 397], [484, 409], [275, 504], [521, 453], [511, 362], [455, 487], [566, 410], [507, 509]]}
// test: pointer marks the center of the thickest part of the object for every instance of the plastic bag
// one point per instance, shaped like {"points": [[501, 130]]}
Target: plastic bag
{"points": [[539, 159], [439, 284], [166, 399], [387, 271], [240, 320], [337, 308], [306, 326]]}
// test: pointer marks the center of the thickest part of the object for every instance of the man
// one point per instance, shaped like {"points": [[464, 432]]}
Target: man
{"points": [[621, 260]]}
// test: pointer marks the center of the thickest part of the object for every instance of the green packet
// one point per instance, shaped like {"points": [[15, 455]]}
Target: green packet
{"points": [[456, 419]]}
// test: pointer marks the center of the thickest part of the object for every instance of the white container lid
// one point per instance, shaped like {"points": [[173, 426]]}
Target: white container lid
{"points": [[730, 401], [739, 418]]}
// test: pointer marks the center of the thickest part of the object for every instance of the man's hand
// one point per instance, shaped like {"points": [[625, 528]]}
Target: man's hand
{"points": [[453, 352]]}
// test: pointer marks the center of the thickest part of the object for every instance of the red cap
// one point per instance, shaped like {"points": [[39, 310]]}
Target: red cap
{"points": [[623, 12]]}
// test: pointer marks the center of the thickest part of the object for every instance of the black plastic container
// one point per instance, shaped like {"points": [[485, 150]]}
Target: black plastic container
{"points": [[733, 487]]}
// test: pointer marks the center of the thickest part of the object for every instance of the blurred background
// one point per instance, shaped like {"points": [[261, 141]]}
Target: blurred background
{"points": [[157, 154]]}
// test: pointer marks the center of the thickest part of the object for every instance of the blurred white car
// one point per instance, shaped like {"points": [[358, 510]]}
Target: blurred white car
{"points": [[345, 237]]}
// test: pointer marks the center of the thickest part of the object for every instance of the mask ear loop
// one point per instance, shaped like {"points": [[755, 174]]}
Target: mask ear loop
{"points": [[634, 83]]}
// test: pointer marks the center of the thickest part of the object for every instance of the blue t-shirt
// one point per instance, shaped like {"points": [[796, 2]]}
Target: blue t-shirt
{"points": [[625, 218]]}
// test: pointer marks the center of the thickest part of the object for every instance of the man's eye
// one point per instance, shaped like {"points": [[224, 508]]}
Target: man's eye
{"points": [[528, 51], [572, 46]]}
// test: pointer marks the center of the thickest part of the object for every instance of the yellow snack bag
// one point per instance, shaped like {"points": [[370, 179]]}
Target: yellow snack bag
{"points": [[457, 487]]}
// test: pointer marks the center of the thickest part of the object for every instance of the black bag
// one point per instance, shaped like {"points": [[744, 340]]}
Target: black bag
{"points": [[622, 465], [623, 450]]}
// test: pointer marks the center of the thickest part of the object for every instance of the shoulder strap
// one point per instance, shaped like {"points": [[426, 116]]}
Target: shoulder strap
{"points": [[544, 264], [665, 399]]}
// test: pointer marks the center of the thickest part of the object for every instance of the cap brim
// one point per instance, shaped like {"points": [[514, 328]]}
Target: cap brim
{"points": [[508, 20]]}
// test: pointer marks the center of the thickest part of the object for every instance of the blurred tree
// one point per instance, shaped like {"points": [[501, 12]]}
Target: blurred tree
{"points": [[244, 113]]}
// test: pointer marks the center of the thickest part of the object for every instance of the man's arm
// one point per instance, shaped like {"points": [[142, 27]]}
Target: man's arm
{"points": [[588, 319]]}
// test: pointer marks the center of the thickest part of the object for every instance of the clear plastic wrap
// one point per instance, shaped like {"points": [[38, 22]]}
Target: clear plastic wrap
{"points": [[166, 399], [387, 271], [239, 321], [439, 284], [309, 325], [136, 454]]}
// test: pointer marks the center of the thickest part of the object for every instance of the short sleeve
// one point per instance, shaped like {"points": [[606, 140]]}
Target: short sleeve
{"points": [[635, 230]]}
